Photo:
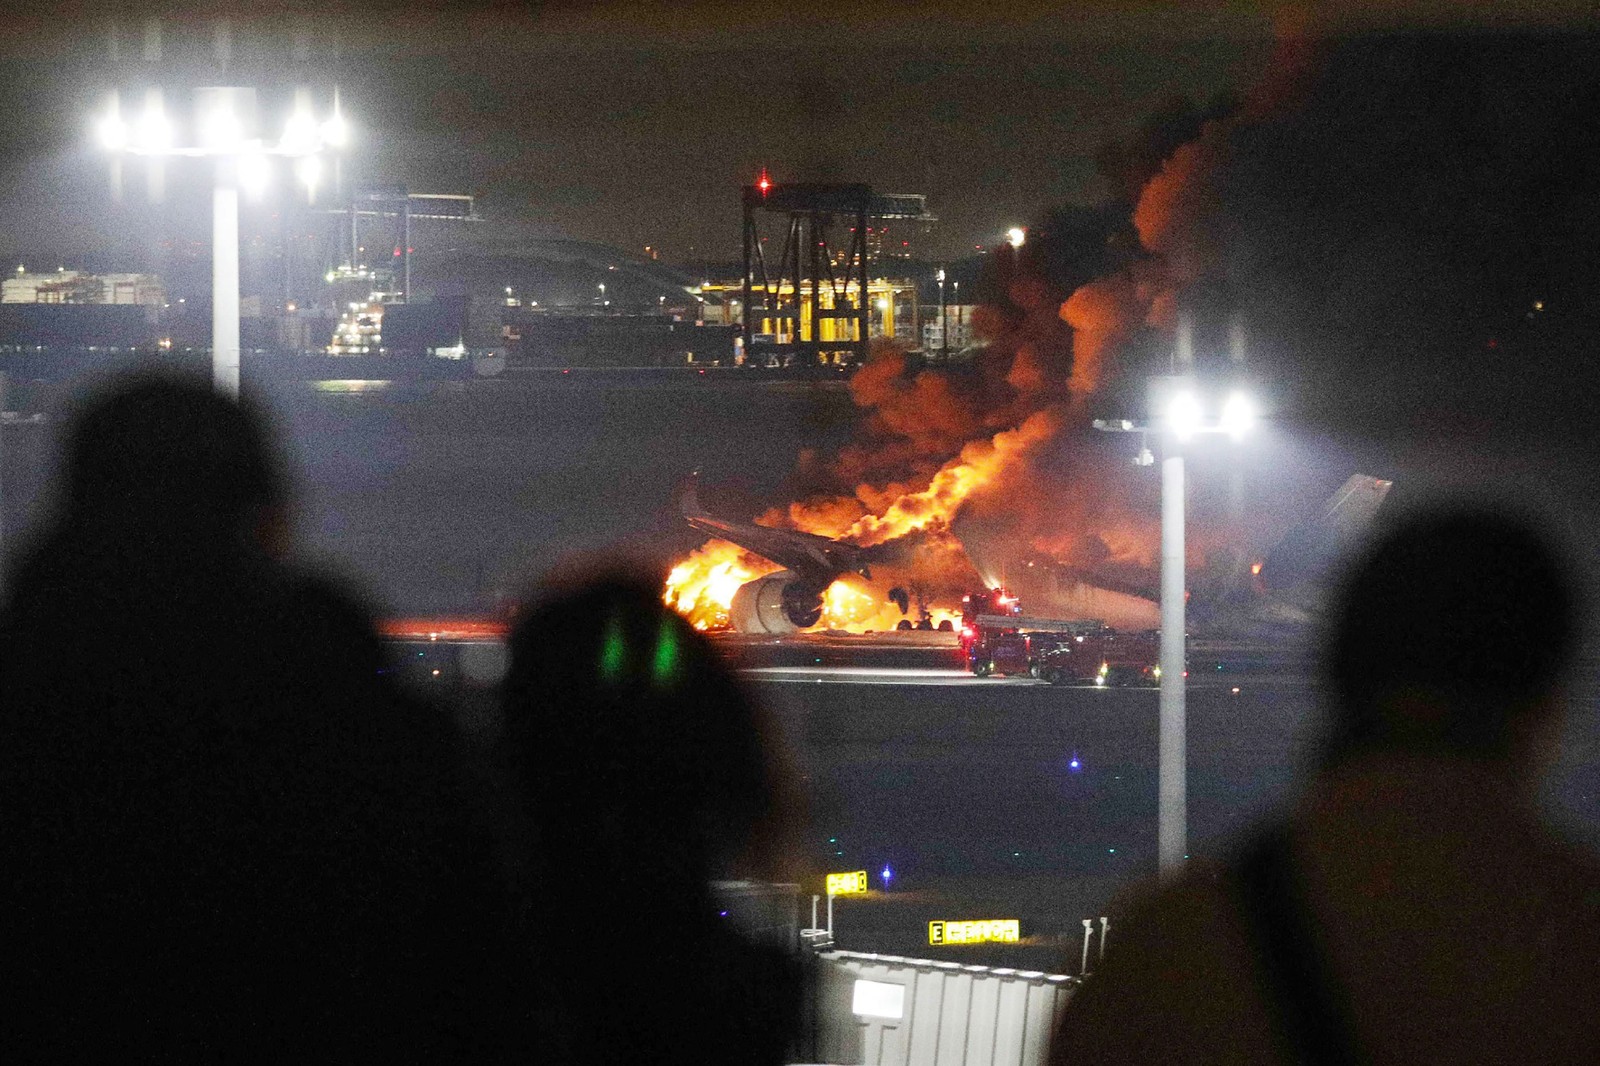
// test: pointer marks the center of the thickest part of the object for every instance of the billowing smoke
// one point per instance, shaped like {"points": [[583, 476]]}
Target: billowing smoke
{"points": [[1406, 209]]}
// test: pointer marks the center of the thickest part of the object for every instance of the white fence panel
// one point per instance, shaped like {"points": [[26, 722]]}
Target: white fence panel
{"points": [[884, 1010]]}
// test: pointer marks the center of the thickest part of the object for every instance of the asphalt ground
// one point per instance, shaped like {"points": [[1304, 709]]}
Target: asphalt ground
{"points": [[992, 797], [1010, 798]]}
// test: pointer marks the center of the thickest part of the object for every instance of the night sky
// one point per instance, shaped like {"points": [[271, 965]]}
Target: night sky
{"points": [[624, 126]]}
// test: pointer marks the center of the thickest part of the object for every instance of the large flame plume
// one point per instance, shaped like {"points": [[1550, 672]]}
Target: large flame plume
{"points": [[701, 587]]}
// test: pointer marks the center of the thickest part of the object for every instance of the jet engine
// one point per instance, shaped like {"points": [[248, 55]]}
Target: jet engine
{"points": [[777, 604]]}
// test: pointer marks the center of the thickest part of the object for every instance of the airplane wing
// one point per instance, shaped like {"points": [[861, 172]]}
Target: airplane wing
{"points": [[816, 560]]}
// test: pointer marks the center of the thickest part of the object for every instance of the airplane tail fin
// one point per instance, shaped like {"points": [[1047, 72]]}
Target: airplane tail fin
{"points": [[689, 496], [1307, 551], [1355, 504]]}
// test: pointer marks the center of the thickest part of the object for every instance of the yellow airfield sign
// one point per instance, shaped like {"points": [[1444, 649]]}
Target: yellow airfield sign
{"points": [[986, 931], [847, 884]]}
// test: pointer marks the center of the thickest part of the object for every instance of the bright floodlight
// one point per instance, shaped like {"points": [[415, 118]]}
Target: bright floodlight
{"points": [[255, 173], [300, 135], [1015, 236], [113, 132], [155, 131], [1183, 415], [941, 274], [220, 128], [1238, 415], [335, 132], [309, 171]]}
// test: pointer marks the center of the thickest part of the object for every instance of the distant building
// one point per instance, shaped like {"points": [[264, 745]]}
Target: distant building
{"points": [[78, 287], [958, 317], [573, 340], [895, 309], [53, 325]]}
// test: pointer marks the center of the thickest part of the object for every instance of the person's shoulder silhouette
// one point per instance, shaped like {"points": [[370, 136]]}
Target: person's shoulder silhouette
{"points": [[223, 831], [645, 772], [1413, 906]]}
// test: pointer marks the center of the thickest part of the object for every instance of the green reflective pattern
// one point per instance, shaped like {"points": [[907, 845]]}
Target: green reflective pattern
{"points": [[665, 669], [613, 649]]}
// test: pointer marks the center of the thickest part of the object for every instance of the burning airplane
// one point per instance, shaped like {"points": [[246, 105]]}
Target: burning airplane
{"points": [[780, 602], [760, 579]]}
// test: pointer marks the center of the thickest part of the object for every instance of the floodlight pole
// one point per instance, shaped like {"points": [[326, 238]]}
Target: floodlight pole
{"points": [[1176, 416], [1172, 774], [1172, 807], [225, 280], [223, 140]]}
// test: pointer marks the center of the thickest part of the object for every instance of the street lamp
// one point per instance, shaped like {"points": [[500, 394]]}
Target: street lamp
{"points": [[225, 130], [944, 325], [1178, 415], [1015, 236], [955, 298]]}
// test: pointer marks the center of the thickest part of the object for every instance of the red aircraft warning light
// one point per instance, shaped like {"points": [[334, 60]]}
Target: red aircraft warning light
{"points": [[763, 182]]}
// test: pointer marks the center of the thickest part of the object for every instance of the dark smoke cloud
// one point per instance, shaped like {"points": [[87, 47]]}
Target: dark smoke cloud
{"points": [[1405, 222], [1408, 222]]}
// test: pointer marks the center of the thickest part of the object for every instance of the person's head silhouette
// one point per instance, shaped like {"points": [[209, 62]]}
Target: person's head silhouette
{"points": [[159, 456], [640, 755], [1450, 635]]}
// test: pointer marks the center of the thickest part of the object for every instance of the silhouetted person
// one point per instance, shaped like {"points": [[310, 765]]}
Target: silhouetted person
{"points": [[644, 774], [1412, 907], [223, 836]]}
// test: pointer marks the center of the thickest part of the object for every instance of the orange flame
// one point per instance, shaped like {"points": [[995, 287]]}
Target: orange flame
{"points": [[701, 587], [935, 506]]}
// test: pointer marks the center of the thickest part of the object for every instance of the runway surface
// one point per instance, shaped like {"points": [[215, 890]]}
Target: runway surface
{"points": [[1011, 798], [859, 675]]}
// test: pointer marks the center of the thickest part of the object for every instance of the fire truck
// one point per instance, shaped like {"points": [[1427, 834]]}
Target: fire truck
{"points": [[997, 638]]}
